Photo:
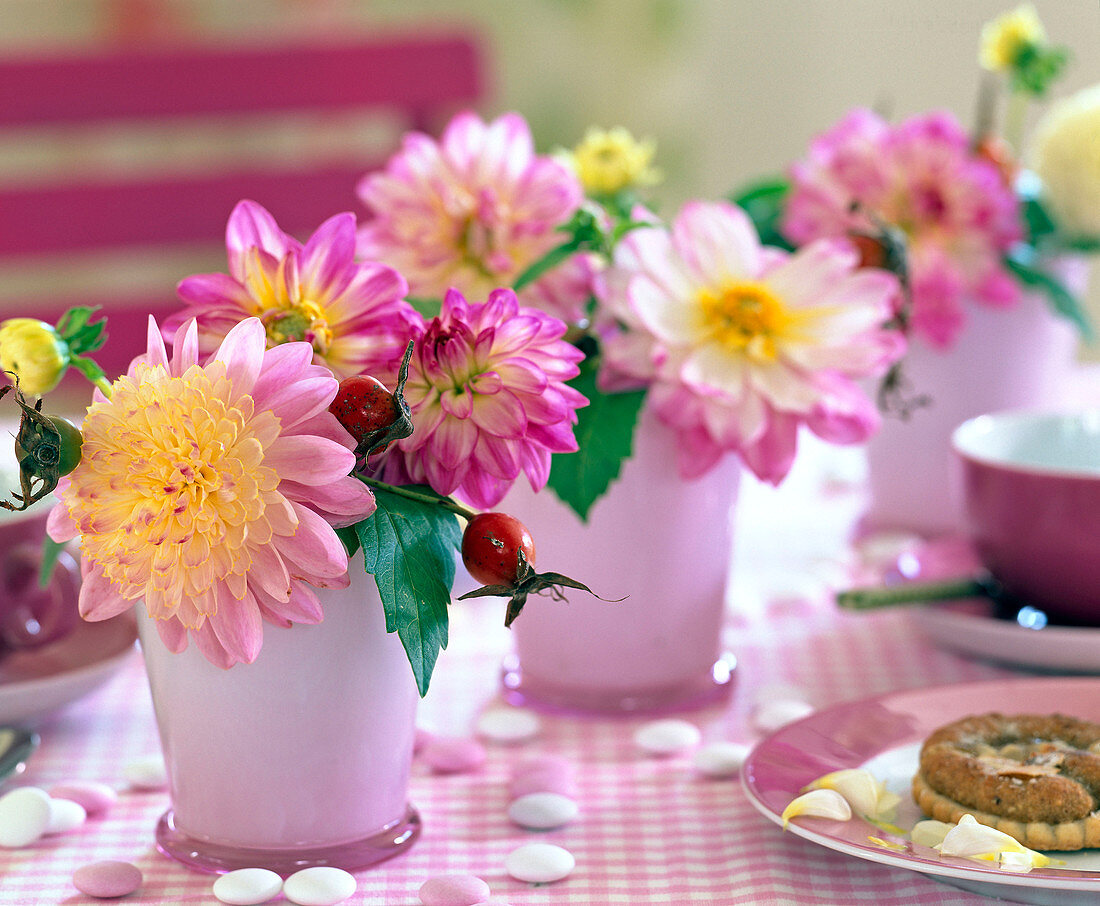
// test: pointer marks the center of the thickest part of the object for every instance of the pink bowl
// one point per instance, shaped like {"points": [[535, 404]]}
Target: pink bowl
{"points": [[1030, 487]]}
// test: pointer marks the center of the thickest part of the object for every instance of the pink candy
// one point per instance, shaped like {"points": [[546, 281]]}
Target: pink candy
{"points": [[453, 755], [454, 890], [96, 797], [543, 774], [107, 880]]}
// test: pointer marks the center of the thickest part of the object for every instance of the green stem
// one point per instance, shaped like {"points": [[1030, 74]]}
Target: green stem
{"points": [[1014, 120], [402, 491], [911, 593], [104, 386]]}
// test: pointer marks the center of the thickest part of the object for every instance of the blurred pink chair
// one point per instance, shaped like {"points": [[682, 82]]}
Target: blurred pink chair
{"points": [[405, 82]]}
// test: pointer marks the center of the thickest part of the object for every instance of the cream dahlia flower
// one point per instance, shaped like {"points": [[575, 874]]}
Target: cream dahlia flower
{"points": [[211, 491], [1067, 160]]}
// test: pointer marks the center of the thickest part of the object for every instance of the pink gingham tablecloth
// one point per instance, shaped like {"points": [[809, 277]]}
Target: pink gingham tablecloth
{"points": [[651, 831]]}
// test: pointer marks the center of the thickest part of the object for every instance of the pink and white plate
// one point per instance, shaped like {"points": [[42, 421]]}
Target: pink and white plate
{"points": [[883, 734]]}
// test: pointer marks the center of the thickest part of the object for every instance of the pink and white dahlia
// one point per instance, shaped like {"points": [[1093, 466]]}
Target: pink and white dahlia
{"points": [[741, 344], [211, 491], [955, 209], [472, 212], [487, 390], [353, 315]]}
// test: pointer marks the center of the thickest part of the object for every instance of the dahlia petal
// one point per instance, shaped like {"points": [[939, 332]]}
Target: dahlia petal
{"points": [[212, 290], [251, 226], [99, 598], [340, 503], [173, 633], [156, 353], [314, 549], [717, 240], [303, 606], [211, 647], [309, 459], [238, 627], [326, 254], [60, 525], [242, 352]]}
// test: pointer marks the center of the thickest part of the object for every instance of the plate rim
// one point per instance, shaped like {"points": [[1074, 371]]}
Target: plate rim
{"points": [[1047, 878]]}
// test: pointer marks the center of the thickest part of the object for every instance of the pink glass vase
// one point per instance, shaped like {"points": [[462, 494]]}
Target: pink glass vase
{"points": [[1004, 359], [665, 544], [301, 758]]}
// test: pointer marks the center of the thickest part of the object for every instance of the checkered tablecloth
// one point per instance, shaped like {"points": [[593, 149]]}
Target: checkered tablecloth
{"points": [[651, 831]]}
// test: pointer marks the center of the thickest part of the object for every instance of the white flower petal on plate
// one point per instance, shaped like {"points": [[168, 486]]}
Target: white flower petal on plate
{"points": [[866, 794], [971, 840], [818, 804], [929, 832]]}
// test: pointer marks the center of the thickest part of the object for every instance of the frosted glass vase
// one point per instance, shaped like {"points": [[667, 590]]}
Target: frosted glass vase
{"points": [[663, 542], [301, 758], [1004, 359]]}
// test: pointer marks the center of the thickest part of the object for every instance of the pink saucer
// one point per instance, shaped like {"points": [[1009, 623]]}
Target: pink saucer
{"points": [[36, 681]]}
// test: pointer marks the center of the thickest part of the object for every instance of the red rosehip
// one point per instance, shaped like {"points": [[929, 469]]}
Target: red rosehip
{"points": [[491, 546], [366, 409]]}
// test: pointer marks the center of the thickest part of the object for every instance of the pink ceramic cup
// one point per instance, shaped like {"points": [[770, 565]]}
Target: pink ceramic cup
{"points": [[1030, 488]]}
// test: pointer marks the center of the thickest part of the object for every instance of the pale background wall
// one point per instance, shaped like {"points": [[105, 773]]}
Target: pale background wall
{"points": [[730, 89]]}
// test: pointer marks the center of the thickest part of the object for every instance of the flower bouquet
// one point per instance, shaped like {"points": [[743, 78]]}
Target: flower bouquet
{"points": [[227, 480], [281, 476], [993, 266], [698, 349]]}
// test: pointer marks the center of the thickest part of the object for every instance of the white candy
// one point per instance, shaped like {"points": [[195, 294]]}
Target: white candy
{"points": [[65, 815], [248, 886], [146, 773], [666, 737], [539, 863], [321, 885], [721, 759], [772, 715], [24, 816], [504, 724], [542, 811]]}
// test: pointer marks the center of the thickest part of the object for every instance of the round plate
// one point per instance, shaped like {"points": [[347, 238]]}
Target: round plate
{"points": [[884, 734], [36, 681]]}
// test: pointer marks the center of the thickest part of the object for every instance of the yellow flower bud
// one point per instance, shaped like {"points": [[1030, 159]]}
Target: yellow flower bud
{"points": [[1007, 36], [33, 351], [607, 162]]}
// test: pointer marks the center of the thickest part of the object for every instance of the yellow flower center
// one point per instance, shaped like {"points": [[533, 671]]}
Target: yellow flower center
{"points": [[173, 492], [745, 317], [302, 321]]}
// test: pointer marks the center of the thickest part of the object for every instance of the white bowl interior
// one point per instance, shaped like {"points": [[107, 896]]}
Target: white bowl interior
{"points": [[1063, 443]]}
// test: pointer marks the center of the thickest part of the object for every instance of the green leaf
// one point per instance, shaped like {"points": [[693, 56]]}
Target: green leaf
{"points": [[429, 308], [1037, 220], [1061, 300], [764, 202], [409, 547], [76, 329], [605, 433]]}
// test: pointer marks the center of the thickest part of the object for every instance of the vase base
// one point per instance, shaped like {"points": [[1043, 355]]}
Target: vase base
{"points": [[708, 689], [215, 858]]}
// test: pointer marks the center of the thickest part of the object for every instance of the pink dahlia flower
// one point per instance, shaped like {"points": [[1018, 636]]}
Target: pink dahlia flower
{"points": [[741, 344], [472, 212], [353, 315], [211, 491], [489, 400], [957, 212]]}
